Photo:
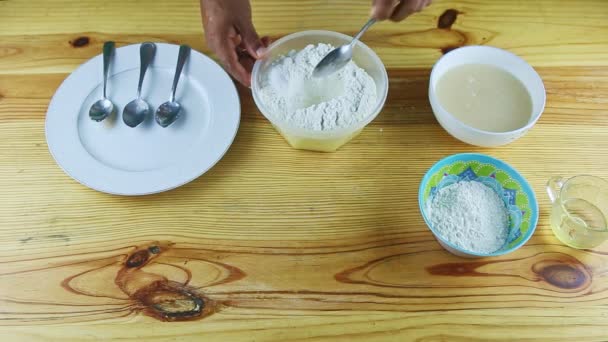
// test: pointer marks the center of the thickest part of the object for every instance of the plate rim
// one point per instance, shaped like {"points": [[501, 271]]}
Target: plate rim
{"points": [[54, 146]]}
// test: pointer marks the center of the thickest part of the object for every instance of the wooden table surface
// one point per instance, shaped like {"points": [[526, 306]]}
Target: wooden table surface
{"points": [[286, 245]]}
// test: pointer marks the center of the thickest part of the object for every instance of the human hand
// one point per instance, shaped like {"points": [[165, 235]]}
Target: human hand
{"points": [[397, 10], [231, 36]]}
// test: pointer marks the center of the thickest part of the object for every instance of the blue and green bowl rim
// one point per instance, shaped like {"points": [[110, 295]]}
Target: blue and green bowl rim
{"points": [[482, 158]]}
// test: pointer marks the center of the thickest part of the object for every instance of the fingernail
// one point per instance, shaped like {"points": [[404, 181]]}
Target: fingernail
{"points": [[261, 52]]}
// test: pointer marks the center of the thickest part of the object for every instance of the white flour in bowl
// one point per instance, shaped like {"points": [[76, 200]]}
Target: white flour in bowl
{"points": [[471, 216], [293, 96]]}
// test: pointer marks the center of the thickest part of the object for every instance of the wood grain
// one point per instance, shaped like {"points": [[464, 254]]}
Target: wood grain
{"points": [[285, 245]]}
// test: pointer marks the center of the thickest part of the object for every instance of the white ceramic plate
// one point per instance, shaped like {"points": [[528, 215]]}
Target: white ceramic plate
{"points": [[111, 157]]}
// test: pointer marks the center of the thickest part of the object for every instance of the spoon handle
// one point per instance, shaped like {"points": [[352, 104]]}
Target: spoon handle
{"points": [[184, 52], [146, 55], [367, 25], [108, 51]]}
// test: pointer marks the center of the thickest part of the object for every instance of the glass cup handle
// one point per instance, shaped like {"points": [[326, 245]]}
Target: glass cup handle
{"points": [[554, 185]]}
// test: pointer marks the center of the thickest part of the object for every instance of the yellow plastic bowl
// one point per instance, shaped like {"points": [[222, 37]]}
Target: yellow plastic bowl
{"points": [[324, 141]]}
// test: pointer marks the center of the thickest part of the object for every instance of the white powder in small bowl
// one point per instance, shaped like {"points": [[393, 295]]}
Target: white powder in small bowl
{"points": [[292, 95], [470, 216]]}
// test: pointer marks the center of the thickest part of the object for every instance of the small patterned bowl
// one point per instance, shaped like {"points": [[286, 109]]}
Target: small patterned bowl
{"points": [[502, 178]]}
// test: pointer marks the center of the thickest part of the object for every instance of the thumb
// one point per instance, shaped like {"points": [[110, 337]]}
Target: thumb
{"points": [[251, 41], [383, 9]]}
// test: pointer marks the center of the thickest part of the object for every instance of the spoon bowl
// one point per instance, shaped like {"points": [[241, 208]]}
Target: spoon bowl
{"points": [[135, 112], [167, 113], [340, 56], [102, 109], [334, 61]]}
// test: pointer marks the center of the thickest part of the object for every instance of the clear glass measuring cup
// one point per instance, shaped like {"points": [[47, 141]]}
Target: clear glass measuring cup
{"points": [[580, 210]]}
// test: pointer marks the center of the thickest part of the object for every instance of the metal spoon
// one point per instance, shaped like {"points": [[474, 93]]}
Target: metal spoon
{"points": [[168, 112], [104, 107], [136, 111], [340, 56]]}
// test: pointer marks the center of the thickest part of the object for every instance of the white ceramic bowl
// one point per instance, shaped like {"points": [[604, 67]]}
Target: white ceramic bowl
{"points": [[490, 56], [326, 141]]}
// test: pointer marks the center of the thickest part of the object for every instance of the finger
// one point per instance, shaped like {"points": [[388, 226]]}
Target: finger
{"points": [[266, 41], [382, 9], [236, 39], [404, 9], [251, 40], [245, 59], [263, 52], [243, 52], [247, 62], [227, 54]]}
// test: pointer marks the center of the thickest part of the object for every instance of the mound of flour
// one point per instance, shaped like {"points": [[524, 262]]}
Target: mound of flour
{"points": [[471, 216], [292, 95]]}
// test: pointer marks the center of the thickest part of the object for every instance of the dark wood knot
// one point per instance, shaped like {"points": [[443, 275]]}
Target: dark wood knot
{"points": [[138, 259], [154, 249], [80, 42], [447, 19], [565, 274], [169, 301]]}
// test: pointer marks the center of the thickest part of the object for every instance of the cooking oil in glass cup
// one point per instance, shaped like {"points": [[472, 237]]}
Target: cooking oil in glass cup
{"points": [[580, 210]]}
